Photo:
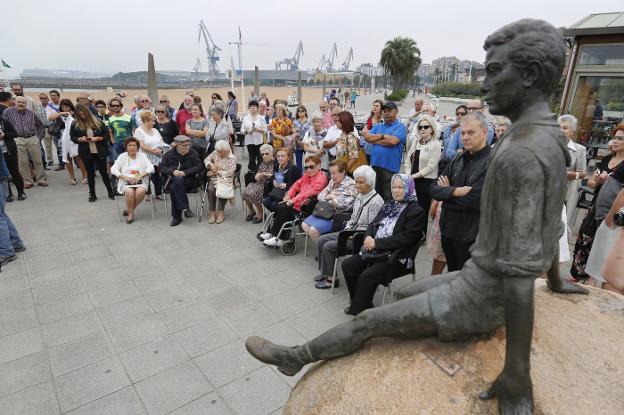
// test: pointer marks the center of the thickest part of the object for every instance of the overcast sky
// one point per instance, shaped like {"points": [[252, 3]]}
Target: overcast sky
{"points": [[115, 35]]}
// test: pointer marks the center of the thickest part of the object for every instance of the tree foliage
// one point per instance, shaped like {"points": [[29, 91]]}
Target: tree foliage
{"points": [[400, 58]]}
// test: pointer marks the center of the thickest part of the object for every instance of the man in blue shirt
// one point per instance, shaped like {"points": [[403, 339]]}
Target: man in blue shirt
{"points": [[10, 241], [388, 140], [455, 143]]}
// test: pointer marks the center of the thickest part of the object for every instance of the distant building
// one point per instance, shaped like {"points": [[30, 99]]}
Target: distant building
{"points": [[452, 69], [370, 70]]}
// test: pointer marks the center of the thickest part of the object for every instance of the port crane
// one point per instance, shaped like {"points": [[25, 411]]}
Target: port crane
{"points": [[291, 64], [211, 50]]}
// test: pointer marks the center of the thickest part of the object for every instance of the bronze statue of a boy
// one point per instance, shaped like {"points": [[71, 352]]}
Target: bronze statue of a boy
{"points": [[519, 228]]}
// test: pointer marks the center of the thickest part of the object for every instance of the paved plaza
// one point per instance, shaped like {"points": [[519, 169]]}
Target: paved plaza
{"points": [[100, 317]]}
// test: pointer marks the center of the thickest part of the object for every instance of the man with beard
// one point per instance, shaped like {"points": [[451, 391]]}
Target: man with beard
{"points": [[184, 114]]}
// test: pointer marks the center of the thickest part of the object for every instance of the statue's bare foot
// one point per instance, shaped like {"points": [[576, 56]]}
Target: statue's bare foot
{"points": [[514, 393], [567, 287], [282, 357]]}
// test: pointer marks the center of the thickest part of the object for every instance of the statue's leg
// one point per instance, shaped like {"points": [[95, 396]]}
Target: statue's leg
{"points": [[411, 317], [555, 282], [424, 284]]}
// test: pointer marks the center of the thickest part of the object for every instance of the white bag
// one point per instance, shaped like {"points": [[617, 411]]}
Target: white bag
{"points": [[603, 242], [225, 187]]}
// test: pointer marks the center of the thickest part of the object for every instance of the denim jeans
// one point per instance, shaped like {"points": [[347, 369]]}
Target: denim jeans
{"points": [[9, 238]]}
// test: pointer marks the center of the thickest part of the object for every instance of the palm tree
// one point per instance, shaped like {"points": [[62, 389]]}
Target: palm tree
{"points": [[400, 58]]}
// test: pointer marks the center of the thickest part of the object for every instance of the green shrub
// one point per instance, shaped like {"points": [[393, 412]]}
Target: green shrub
{"points": [[397, 95], [615, 106], [455, 89]]}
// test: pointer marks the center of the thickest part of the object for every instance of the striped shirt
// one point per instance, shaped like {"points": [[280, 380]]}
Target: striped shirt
{"points": [[26, 123]]}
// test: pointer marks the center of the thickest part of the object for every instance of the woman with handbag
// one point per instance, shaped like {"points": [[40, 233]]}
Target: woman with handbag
{"points": [[218, 128], [336, 198], [167, 127], [282, 128], [284, 176], [131, 168], [197, 130], [398, 225], [348, 146], [302, 125], [153, 146], [221, 165], [423, 158], [308, 186], [253, 192], [92, 138], [365, 208], [69, 149]]}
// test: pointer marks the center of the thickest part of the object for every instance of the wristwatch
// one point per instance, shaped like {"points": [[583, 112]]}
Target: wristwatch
{"points": [[382, 137]]}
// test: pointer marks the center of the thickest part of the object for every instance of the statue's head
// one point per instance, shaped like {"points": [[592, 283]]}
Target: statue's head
{"points": [[523, 64]]}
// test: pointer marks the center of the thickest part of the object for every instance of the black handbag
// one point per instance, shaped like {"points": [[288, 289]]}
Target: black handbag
{"points": [[340, 221], [277, 194], [56, 127], [324, 210], [371, 257]]}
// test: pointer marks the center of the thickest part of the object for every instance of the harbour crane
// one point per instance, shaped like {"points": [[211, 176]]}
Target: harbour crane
{"points": [[197, 66], [291, 64], [330, 60], [321, 64], [347, 61], [211, 50]]}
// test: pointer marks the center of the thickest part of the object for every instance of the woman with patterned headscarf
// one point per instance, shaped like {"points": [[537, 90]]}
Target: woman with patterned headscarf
{"points": [[399, 225]]}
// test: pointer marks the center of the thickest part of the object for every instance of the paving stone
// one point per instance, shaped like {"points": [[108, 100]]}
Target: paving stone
{"points": [[157, 281], [71, 328], [209, 404], [79, 353], [251, 318], [137, 332], [172, 388], [186, 315], [227, 363], [17, 319], [122, 402], [51, 293], [205, 337], [124, 311], [113, 293], [20, 344], [170, 296], [93, 279], [151, 358], [36, 400], [85, 385], [16, 301], [229, 300], [23, 372], [260, 392], [13, 284], [65, 307]]}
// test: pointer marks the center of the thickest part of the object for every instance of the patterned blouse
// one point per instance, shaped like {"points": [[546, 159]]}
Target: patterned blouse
{"points": [[343, 194], [226, 165], [302, 128], [348, 144], [283, 127]]}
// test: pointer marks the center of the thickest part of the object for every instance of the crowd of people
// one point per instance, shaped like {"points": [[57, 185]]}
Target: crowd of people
{"points": [[312, 166]]}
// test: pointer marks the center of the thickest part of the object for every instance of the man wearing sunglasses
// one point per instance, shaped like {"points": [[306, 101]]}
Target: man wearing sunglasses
{"points": [[121, 126], [171, 112], [455, 143]]}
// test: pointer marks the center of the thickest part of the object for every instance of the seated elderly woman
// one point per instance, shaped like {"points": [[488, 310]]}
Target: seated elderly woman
{"points": [[284, 176], [366, 206], [338, 196], [221, 165], [399, 224], [309, 185], [131, 168], [255, 190]]}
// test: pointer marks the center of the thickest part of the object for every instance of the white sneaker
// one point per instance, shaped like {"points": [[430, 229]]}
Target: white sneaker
{"points": [[271, 241], [266, 235]]}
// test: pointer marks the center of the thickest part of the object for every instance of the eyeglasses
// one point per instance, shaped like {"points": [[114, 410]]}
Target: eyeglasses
{"points": [[160, 112], [301, 110], [184, 145], [474, 108], [101, 107], [265, 154], [424, 127], [214, 97], [114, 106], [164, 102], [460, 113], [310, 167], [144, 100]]}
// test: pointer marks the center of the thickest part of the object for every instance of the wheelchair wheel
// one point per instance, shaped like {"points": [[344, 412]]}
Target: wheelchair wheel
{"points": [[288, 248]]}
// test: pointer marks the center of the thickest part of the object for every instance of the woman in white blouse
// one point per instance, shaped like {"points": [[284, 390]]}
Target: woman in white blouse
{"points": [[578, 163], [131, 168], [153, 146], [423, 158], [254, 127]]}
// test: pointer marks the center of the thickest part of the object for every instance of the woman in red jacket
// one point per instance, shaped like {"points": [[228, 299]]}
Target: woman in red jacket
{"points": [[309, 185]]}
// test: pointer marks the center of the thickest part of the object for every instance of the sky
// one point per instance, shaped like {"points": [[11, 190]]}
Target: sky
{"points": [[116, 35]]}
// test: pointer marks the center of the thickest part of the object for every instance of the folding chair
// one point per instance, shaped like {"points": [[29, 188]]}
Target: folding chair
{"points": [[194, 190], [341, 249], [393, 259]]}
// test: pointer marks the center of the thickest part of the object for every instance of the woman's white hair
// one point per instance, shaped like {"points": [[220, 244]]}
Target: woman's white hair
{"points": [[266, 147], [316, 116], [432, 122], [367, 173], [222, 145], [568, 119]]}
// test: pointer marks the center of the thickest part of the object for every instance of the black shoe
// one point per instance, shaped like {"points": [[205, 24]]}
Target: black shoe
{"points": [[92, 198], [175, 221], [124, 213], [249, 218], [9, 198], [188, 213], [129, 221], [255, 221], [21, 197], [6, 259], [50, 163], [111, 196], [20, 249], [59, 168]]}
